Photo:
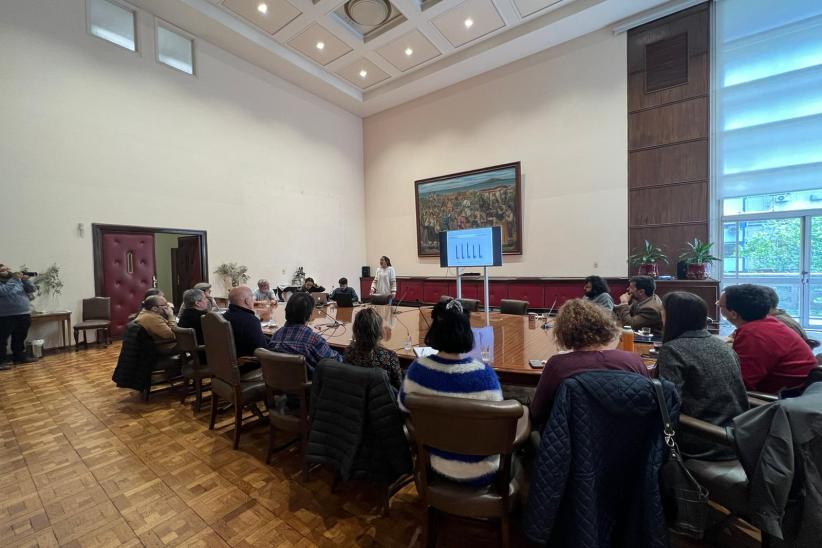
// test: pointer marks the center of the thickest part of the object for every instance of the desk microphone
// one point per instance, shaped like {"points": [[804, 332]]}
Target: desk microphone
{"points": [[420, 307], [336, 323]]}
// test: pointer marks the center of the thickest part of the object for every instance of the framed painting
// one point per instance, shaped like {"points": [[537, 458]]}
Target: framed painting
{"points": [[472, 199]]}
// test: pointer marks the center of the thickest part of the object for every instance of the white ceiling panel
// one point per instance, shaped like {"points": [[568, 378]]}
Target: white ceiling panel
{"points": [[408, 51], [529, 7], [319, 44], [468, 21], [363, 73], [276, 15]]}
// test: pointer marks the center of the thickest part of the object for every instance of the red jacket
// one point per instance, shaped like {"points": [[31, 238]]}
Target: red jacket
{"points": [[771, 355]]}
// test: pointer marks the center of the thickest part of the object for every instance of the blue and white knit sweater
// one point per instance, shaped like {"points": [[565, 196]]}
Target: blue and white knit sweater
{"points": [[465, 378]]}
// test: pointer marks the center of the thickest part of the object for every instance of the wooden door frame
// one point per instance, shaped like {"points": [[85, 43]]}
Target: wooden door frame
{"points": [[97, 231]]}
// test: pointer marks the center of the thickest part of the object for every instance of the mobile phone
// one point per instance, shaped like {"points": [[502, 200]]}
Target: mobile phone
{"points": [[536, 364]]}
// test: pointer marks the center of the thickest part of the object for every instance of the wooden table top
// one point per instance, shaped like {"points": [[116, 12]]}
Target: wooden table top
{"points": [[516, 339]]}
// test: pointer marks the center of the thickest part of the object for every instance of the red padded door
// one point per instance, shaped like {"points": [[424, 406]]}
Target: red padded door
{"points": [[128, 271], [189, 261]]}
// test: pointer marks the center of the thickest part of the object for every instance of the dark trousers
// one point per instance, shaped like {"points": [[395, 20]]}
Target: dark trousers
{"points": [[17, 327]]}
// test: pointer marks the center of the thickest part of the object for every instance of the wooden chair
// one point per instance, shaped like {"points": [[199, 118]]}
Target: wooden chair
{"points": [[286, 375], [467, 427], [192, 370], [511, 306], [227, 382], [96, 317]]}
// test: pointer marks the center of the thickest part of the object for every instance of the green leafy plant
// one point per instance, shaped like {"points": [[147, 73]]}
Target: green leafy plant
{"points": [[233, 273], [647, 254], [48, 282], [698, 252]]}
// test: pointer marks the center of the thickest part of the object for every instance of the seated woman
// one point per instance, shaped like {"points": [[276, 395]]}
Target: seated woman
{"points": [[365, 349], [447, 373], [589, 331], [704, 369], [596, 291]]}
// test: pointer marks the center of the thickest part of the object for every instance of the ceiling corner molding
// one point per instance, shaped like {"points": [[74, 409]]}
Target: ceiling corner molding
{"points": [[653, 14]]}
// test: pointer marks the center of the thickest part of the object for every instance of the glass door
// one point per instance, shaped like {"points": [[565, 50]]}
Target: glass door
{"points": [[813, 278]]}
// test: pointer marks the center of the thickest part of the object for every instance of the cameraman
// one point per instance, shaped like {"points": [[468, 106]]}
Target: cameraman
{"points": [[16, 290]]}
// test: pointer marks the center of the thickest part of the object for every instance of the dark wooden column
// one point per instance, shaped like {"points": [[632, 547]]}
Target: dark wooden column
{"points": [[668, 131]]}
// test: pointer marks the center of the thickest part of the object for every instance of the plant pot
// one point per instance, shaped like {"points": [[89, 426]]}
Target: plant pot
{"points": [[696, 271], [647, 269]]}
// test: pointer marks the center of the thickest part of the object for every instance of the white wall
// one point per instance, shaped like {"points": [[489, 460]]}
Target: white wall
{"points": [[561, 112], [94, 133]]}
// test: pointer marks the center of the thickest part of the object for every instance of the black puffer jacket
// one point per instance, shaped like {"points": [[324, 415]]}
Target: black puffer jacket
{"points": [[356, 424], [137, 357]]}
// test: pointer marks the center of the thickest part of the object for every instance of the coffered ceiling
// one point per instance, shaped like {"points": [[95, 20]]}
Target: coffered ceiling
{"points": [[369, 55]]}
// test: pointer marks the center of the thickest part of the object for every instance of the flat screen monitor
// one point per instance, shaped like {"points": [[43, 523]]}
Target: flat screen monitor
{"points": [[471, 247]]}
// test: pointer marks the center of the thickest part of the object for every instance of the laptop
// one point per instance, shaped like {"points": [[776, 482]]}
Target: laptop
{"points": [[345, 300], [320, 299]]}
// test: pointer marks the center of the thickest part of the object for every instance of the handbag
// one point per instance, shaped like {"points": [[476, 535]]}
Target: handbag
{"points": [[684, 499]]}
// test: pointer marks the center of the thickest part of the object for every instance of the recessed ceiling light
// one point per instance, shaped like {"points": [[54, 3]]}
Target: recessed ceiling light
{"points": [[363, 73], [409, 52], [320, 45], [262, 8], [469, 23]]}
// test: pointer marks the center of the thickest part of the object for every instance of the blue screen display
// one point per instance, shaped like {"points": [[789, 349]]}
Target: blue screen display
{"points": [[472, 247]]}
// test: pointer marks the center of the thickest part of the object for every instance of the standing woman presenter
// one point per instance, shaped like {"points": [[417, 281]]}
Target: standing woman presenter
{"points": [[385, 279]]}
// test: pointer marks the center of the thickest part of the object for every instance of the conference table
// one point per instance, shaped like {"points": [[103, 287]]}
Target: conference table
{"points": [[516, 339]]}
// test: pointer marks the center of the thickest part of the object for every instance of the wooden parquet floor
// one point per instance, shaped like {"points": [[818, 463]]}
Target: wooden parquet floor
{"points": [[85, 464]]}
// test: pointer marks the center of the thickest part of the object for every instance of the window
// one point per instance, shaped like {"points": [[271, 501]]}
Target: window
{"points": [[768, 148], [113, 22], [175, 49]]}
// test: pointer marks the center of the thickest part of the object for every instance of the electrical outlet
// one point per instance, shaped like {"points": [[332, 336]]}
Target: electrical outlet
{"points": [[283, 270], [596, 264]]}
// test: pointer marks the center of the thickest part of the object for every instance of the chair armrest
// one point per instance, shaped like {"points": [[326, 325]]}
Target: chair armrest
{"points": [[711, 432], [201, 347], [523, 428], [247, 359], [762, 396]]}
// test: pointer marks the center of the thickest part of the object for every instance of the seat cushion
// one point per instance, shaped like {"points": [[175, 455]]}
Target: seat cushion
{"points": [[252, 391], [726, 482], [92, 324], [167, 362], [479, 502]]}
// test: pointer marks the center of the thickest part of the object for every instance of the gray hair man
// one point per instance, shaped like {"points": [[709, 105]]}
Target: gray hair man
{"points": [[195, 306]]}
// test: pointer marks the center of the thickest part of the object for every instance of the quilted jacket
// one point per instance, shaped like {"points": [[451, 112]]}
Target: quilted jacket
{"points": [[595, 480], [137, 357], [356, 424]]}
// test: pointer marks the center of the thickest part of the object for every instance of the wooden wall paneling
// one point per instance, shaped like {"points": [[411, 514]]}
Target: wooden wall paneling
{"points": [[667, 165], [684, 203], [667, 124], [433, 290], [668, 131], [533, 292]]}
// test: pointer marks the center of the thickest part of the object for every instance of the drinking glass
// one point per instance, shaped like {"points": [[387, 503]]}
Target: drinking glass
{"points": [[485, 353], [407, 345]]}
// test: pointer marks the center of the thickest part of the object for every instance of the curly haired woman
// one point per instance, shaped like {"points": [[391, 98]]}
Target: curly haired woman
{"points": [[591, 334]]}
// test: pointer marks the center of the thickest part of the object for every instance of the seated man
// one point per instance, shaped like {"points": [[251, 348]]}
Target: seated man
{"points": [[205, 287], [639, 307], [264, 293], [344, 289], [247, 329], [195, 305], [771, 356], [295, 337], [783, 316], [310, 287], [157, 317]]}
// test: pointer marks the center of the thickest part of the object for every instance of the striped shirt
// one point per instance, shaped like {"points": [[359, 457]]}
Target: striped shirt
{"points": [[464, 378]]}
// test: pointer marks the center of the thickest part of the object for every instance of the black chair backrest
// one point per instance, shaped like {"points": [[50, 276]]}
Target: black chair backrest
{"points": [[220, 350], [380, 299], [187, 342], [97, 308], [512, 306], [469, 305], [283, 372]]}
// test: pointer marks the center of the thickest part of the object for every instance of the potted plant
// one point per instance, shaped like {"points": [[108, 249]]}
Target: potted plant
{"points": [[646, 259], [698, 257], [233, 274], [49, 286]]}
